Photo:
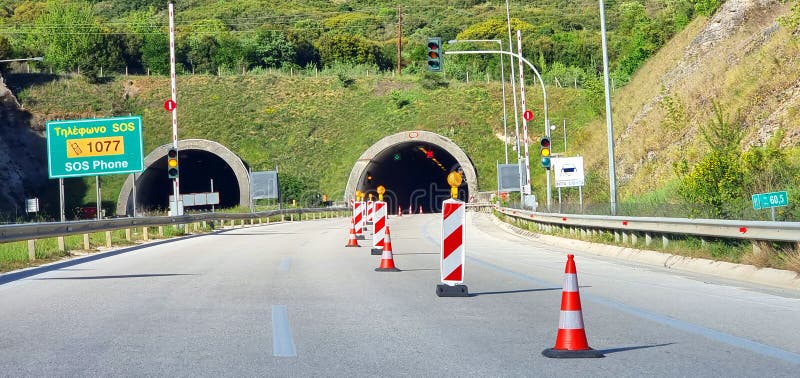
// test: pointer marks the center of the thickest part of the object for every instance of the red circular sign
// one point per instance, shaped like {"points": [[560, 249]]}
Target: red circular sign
{"points": [[169, 105], [528, 115]]}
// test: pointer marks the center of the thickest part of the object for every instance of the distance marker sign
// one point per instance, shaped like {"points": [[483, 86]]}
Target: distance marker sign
{"points": [[92, 147]]}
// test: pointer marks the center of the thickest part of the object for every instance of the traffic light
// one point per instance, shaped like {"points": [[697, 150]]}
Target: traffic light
{"points": [[434, 54], [429, 154], [172, 163], [544, 152]]}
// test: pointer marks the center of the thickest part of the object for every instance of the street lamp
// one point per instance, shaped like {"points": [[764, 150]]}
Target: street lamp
{"points": [[502, 81], [544, 95], [38, 58]]}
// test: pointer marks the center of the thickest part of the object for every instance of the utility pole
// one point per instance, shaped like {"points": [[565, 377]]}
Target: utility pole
{"points": [[399, 39]]}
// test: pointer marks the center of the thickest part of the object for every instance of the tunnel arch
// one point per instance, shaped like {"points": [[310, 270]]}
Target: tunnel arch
{"points": [[200, 160], [393, 150]]}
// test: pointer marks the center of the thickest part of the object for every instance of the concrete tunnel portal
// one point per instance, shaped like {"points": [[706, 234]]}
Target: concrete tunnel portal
{"points": [[200, 161], [413, 167]]}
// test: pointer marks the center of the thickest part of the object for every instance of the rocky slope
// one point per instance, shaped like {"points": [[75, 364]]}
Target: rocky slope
{"points": [[23, 156]]}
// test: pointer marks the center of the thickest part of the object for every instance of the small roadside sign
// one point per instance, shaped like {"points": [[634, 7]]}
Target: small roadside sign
{"points": [[769, 200], [169, 105], [528, 115], [92, 147]]}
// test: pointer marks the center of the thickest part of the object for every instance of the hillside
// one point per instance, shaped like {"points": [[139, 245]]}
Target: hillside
{"points": [[313, 125], [741, 58]]}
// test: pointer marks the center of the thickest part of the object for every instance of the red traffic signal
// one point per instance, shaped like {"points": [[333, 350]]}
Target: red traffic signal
{"points": [[435, 54], [429, 154]]}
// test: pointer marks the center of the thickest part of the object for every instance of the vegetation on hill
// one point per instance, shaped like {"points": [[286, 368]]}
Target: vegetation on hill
{"points": [[309, 68], [237, 35]]}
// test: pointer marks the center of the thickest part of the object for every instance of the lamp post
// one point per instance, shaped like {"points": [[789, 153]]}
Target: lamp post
{"points": [[502, 81], [544, 95], [38, 58], [612, 177]]}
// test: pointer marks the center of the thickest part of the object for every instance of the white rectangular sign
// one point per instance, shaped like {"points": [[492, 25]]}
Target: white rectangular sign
{"points": [[568, 171]]}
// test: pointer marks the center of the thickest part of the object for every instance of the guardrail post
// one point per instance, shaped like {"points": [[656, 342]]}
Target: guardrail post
{"points": [[616, 236], [145, 236], [32, 250], [128, 234], [61, 246], [160, 230], [664, 241], [634, 238], [108, 239], [624, 237], [648, 239], [86, 244]]}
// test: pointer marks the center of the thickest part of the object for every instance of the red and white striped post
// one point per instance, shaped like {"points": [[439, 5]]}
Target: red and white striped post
{"points": [[370, 212], [176, 184], [451, 263], [358, 219], [379, 227]]}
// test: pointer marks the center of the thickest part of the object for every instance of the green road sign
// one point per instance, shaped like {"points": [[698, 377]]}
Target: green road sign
{"points": [[768, 200], [92, 147]]}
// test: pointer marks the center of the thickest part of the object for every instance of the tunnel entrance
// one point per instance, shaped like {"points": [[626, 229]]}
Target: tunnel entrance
{"points": [[413, 167], [201, 161]]}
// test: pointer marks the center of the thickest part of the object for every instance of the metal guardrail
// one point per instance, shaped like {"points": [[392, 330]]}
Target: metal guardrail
{"points": [[729, 229], [31, 231]]}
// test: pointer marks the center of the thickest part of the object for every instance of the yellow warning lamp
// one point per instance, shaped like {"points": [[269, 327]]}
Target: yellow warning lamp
{"points": [[359, 195], [370, 196], [381, 189], [455, 180]]}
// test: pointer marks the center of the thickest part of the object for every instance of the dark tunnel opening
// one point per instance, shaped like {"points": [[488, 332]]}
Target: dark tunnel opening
{"points": [[414, 175], [197, 169]]}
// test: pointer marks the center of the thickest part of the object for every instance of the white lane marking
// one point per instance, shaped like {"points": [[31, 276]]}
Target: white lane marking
{"points": [[282, 340], [285, 264]]}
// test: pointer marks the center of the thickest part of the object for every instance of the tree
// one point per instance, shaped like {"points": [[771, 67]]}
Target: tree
{"points": [[348, 48], [716, 184], [155, 52], [272, 48], [66, 33]]}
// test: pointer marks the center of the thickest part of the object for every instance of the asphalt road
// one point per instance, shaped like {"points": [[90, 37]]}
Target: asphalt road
{"points": [[290, 300]]}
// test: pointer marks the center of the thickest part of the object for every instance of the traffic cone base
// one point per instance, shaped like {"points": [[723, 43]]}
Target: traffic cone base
{"points": [[571, 339], [558, 353], [351, 241], [387, 260]]}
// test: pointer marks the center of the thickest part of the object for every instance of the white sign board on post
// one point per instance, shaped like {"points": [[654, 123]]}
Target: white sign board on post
{"points": [[568, 171]]}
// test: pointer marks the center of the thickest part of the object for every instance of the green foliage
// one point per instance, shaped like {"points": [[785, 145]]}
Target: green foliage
{"points": [[792, 20], [56, 38], [722, 134], [272, 49], [494, 28], [348, 48], [715, 186], [706, 7], [431, 81]]}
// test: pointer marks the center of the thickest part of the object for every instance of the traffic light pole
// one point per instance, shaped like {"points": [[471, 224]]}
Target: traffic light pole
{"points": [[541, 82], [176, 189]]}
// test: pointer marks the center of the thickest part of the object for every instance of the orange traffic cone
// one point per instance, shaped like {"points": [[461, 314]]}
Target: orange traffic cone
{"points": [[571, 340], [352, 242], [387, 261]]}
